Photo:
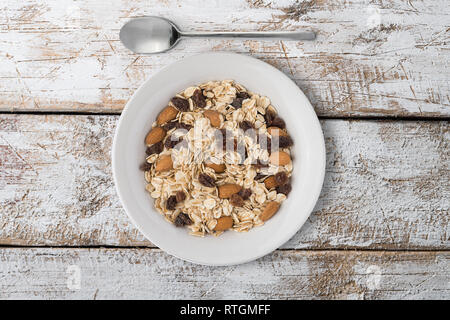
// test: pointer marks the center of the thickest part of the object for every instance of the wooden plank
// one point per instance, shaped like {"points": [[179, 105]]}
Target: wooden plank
{"points": [[371, 58], [152, 274], [386, 187]]}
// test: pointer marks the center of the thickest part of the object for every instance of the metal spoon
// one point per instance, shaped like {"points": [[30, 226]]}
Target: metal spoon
{"points": [[154, 35]]}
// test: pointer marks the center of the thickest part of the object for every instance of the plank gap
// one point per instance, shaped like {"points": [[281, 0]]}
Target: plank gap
{"points": [[321, 117]]}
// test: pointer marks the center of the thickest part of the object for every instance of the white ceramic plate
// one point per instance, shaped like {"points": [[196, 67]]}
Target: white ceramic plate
{"points": [[308, 158]]}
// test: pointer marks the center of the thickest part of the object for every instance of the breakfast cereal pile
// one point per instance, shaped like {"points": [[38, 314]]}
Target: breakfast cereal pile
{"points": [[218, 158]]}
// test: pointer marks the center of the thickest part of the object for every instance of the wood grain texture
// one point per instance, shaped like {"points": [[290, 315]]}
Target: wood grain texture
{"points": [[152, 274], [382, 58], [387, 185]]}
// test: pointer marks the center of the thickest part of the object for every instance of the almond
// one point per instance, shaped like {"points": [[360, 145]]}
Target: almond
{"points": [[275, 131], [164, 163], [218, 168], [227, 190], [280, 158], [270, 209], [270, 182], [223, 223], [167, 114], [214, 117], [155, 135]]}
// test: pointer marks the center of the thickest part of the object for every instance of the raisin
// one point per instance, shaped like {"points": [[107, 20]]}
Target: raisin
{"points": [[156, 148], [181, 144], [237, 103], [171, 203], [206, 180], [172, 142], [145, 166], [236, 200], [185, 126], [170, 125], [245, 125], [281, 178], [182, 220], [269, 116], [284, 189], [180, 103], [178, 125], [285, 142], [242, 95], [199, 99], [260, 176], [245, 193], [180, 196], [278, 122]]}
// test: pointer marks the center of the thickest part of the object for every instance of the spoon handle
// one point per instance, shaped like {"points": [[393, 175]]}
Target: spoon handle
{"points": [[277, 35]]}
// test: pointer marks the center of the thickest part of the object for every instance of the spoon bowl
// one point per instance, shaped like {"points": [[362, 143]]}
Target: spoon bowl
{"points": [[147, 35]]}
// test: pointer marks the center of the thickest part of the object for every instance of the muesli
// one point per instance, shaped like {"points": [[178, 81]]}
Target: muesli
{"points": [[218, 158]]}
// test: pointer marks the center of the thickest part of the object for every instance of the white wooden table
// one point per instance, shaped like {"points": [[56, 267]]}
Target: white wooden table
{"points": [[378, 76]]}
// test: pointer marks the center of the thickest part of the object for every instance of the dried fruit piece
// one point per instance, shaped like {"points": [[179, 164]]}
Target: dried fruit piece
{"points": [[155, 148], [237, 103], [269, 210], [167, 114], [260, 176], [172, 141], [198, 99], [145, 166], [270, 182], [243, 95], [180, 196], [285, 142], [180, 103], [223, 223], [284, 189], [214, 117], [185, 126], [218, 168], [182, 220], [236, 200], [275, 131], [170, 125], [278, 122], [281, 178], [155, 135], [206, 180], [245, 193], [280, 158], [164, 163], [269, 116], [246, 125], [171, 203], [227, 190], [179, 125]]}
